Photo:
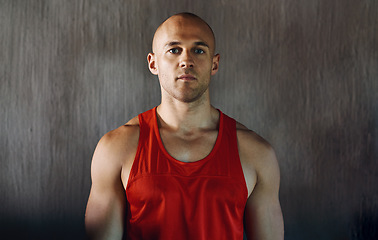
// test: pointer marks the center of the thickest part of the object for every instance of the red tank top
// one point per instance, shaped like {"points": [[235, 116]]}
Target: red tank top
{"points": [[170, 199]]}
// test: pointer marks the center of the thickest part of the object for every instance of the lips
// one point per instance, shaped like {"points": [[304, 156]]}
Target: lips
{"points": [[187, 77]]}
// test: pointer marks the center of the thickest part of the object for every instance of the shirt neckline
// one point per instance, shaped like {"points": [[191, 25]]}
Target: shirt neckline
{"points": [[194, 163]]}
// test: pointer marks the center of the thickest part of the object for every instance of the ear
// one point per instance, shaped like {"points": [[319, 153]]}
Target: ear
{"points": [[152, 63], [215, 66]]}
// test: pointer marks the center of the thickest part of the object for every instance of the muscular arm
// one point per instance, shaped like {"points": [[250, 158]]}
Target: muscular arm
{"points": [[105, 213], [263, 217]]}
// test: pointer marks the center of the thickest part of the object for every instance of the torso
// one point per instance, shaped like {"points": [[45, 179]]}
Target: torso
{"points": [[178, 188], [194, 148]]}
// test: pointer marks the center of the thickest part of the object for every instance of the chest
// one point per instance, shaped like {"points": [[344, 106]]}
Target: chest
{"points": [[189, 192], [189, 148]]}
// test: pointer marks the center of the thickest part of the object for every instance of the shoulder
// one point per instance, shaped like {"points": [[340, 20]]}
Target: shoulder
{"points": [[251, 143], [257, 157], [116, 145], [126, 132]]}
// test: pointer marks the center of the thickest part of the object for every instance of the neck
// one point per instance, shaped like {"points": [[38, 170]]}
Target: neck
{"points": [[187, 117]]}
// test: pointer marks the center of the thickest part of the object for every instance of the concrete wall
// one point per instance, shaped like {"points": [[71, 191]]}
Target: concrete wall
{"points": [[303, 74]]}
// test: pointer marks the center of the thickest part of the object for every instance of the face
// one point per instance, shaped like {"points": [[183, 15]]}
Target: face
{"points": [[184, 58]]}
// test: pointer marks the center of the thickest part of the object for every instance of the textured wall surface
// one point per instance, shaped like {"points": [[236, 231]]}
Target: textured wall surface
{"points": [[303, 74]]}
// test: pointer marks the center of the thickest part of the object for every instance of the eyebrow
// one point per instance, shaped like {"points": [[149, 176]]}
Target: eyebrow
{"points": [[174, 43]]}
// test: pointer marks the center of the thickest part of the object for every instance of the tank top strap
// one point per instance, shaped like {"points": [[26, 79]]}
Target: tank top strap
{"points": [[146, 130], [230, 145], [146, 120], [229, 124], [229, 133]]}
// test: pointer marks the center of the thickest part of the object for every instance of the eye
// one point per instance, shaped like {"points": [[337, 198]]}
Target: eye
{"points": [[199, 51], [173, 50]]}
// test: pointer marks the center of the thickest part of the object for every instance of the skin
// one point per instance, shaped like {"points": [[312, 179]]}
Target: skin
{"points": [[183, 59]]}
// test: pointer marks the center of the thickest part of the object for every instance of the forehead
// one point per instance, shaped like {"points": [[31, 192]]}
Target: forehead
{"points": [[183, 29]]}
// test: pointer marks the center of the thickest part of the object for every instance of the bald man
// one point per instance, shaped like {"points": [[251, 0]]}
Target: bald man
{"points": [[184, 170]]}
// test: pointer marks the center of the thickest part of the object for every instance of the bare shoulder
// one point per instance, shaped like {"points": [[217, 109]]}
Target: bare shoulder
{"points": [[124, 132], [257, 157], [117, 147], [121, 139], [252, 143]]}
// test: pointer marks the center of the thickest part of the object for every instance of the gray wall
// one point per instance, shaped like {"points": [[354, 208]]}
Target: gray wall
{"points": [[303, 74]]}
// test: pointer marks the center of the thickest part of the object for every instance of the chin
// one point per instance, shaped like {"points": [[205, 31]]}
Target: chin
{"points": [[189, 99]]}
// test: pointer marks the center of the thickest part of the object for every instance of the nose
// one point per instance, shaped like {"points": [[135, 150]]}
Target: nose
{"points": [[186, 60]]}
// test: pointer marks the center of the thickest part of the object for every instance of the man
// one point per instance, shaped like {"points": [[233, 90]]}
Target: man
{"points": [[184, 170]]}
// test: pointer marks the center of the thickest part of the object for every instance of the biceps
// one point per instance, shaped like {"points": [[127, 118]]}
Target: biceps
{"points": [[107, 197], [105, 214], [104, 201], [263, 217], [106, 204]]}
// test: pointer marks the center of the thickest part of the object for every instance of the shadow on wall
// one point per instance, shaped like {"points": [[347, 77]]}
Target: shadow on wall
{"points": [[16, 229], [365, 226]]}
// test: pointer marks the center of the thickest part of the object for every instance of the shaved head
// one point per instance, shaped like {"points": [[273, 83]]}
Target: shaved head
{"points": [[181, 19]]}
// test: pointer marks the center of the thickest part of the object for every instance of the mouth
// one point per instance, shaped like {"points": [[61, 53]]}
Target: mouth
{"points": [[187, 77]]}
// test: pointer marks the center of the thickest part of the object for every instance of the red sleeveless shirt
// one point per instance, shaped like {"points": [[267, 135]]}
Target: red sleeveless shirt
{"points": [[170, 199]]}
